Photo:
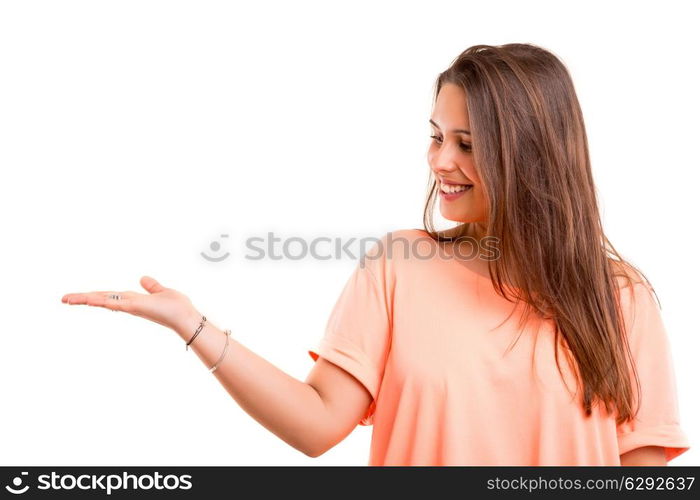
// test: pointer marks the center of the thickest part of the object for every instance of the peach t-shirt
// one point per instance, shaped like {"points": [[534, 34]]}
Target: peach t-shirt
{"points": [[422, 334]]}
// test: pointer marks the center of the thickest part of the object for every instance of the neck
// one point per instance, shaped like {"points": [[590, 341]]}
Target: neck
{"points": [[476, 230]]}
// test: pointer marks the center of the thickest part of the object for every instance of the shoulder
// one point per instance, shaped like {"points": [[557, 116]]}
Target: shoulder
{"points": [[408, 233], [402, 244], [392, 239], [393, 252], [629, 280], [625, 274], [638, 298]]}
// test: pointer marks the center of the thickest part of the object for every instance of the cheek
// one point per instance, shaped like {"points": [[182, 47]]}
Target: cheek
{"points": [[479, 200], [430, 155], [471, 173]]}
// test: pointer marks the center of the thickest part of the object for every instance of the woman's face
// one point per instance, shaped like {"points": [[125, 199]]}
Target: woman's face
{"points": [[451, 160]]}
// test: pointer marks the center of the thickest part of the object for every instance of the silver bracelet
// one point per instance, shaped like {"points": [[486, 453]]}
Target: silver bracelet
{"points": [[199, 329], [223, 353]]}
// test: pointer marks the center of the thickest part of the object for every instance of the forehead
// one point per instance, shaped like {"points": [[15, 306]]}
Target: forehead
{"points": [[450, 109]]}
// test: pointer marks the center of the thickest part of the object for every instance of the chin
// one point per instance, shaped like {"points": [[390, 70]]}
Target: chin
{"points": [[454, 217]]}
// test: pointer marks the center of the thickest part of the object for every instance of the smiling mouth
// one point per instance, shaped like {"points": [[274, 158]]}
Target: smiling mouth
{"points": [[455, 188]]}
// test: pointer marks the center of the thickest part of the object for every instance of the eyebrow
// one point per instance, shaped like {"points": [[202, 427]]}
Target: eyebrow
{"points": [[456, 131]]}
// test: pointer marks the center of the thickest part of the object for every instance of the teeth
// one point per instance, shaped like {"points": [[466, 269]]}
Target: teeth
{"points": [[451, 188]]}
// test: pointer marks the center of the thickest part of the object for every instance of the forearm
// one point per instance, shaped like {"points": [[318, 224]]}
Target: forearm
{"points": [[286, 406]]}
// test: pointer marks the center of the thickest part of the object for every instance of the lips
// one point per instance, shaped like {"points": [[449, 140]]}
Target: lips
{"points": [[454, 196], [452, 183]]}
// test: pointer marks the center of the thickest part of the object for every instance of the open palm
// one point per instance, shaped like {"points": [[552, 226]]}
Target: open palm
{"points": [[161, 305]]}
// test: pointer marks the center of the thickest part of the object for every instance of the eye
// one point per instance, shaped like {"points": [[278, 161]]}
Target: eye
{"points": [[464, 147]]}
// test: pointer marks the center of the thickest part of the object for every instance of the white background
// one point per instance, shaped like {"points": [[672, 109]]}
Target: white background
{"points": [[134, 133]]}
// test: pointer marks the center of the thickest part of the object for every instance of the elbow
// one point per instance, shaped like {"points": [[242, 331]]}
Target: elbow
{"points": [[314, 451], [316, 447]]}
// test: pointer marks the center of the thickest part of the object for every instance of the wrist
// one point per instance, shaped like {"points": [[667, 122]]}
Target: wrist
{"points": [[187, 324]]}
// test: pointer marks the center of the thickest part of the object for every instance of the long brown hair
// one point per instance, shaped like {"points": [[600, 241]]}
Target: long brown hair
{"points": [[531, 152]]}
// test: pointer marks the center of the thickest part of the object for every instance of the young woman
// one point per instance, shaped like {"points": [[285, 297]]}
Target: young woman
{"points": [[422, 342]]}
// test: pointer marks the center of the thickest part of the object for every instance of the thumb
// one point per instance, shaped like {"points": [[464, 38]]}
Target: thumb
{"points": [[151, 285]]}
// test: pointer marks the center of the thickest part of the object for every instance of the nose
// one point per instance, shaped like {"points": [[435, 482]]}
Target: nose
{"points": [[443, 162]]}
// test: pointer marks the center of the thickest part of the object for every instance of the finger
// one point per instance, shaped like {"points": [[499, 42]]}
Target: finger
{"points": [[151, 285], [79, 298], [115, 301], [106, 299]]}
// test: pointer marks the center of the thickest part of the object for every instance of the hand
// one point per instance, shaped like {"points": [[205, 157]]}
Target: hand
{"points": [[161, 305]]}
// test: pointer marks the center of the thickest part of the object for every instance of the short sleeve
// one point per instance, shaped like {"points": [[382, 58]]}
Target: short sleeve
{"points": [[657, 423], [357, 337]]}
